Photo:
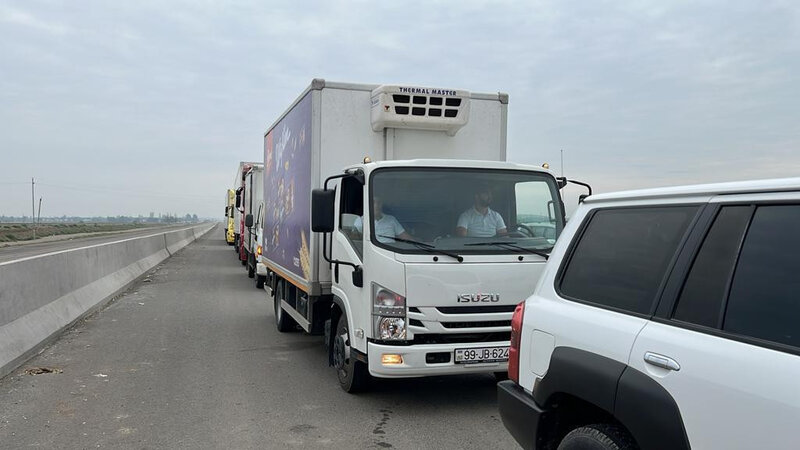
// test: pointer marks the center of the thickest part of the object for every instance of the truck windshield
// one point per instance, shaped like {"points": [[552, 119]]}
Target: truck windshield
{"points": [[464, 211]]}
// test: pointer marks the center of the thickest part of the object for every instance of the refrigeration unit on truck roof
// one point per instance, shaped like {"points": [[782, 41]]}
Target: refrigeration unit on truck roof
{"points": [[419, 108]]}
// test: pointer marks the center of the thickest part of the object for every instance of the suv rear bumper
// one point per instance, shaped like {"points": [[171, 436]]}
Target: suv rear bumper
{"points": [[520, 413]]}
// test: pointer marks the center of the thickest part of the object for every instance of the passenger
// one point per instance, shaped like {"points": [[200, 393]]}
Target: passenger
{"points": [[481, 220], [386, 226]]}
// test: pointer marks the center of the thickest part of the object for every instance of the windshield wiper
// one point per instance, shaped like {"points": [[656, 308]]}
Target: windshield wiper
{"points": [[512, 245], [426, 247]]}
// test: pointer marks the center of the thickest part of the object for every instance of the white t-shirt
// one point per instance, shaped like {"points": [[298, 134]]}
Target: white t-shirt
{"points": [[479, 225], [385, 226]]}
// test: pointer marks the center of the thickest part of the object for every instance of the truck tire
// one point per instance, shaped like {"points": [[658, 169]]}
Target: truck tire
{"points": [[251, 268], [598, 437], [283, 321], [260, 279], [352, 374]]}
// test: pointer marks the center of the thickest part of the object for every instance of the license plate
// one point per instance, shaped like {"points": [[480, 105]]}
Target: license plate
{"points": [[481, 355]]}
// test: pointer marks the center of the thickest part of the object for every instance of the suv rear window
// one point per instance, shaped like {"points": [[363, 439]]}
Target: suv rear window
{"points": [[763, 301], [623, 254]]}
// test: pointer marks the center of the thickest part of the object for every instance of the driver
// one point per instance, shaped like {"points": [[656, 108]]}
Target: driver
{"points": [[481, 220], [386, 226]]}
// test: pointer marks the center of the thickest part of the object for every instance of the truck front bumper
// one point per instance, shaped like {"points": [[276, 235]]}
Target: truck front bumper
{"points": [[261, 269], [415, 360]]}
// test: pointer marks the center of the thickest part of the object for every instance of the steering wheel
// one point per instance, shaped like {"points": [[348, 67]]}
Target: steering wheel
{"points": [[520, 230]]}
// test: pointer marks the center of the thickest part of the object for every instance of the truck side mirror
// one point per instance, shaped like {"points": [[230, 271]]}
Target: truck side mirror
{"points": [[226, 211], [248, 220], [238, 199], [322, 215]]}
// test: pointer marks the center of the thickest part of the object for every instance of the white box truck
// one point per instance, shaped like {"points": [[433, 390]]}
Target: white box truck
{"points": [[243, 193], [253, 207], [423, 239]]}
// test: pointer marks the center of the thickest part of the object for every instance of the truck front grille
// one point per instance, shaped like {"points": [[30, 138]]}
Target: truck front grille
{"points": [[487, 309], [484, 324], [461, 338], [460, 324]]}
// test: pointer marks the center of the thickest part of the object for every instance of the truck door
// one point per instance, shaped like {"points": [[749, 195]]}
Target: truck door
{"points": [[348, 247]]}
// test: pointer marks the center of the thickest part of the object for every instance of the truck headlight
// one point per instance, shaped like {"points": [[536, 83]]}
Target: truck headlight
{"points": [[389, 313], [389, 328]]}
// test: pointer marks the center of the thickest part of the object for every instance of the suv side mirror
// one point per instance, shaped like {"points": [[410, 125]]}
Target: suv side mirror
{"points": [[248, 220], [322, 215]]}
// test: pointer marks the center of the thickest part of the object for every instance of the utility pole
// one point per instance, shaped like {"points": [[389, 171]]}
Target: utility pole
{"points": [[33, 208], [39, 214]]}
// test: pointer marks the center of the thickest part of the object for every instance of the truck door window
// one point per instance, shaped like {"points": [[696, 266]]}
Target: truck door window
{"points": [[535, 210], [704, 292], [260, 215], [622, 256], [351, 211], [763, 301]]}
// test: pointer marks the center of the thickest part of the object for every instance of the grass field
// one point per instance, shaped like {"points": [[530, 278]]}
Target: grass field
{"points": [[14, 232]]}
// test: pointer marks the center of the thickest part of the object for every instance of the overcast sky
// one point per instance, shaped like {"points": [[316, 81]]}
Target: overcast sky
{"points": [[131, 107]]}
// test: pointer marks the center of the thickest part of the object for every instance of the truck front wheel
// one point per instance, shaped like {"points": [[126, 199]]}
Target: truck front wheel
{"points": [[352, 374], [251, 267]]}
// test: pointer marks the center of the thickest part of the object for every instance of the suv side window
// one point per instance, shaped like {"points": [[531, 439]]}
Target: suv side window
{"points": [[706, 286], [623, 254], [763, 301]]}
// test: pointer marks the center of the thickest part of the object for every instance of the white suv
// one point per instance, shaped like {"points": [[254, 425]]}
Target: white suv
{"points": [[665, 318]]}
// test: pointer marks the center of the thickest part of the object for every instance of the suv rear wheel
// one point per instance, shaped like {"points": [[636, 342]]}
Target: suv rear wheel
{"points": [[598, 437]]}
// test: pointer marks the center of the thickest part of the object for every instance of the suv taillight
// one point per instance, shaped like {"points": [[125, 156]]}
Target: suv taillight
{"points": [[516, 334]]}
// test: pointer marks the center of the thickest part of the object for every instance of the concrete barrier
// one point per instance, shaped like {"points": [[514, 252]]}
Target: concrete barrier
{"points": [[42, 295], [179, 239]]}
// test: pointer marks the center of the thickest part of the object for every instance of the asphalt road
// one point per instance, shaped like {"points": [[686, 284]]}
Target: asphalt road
{"points": [[190, 358], [33, 248]]}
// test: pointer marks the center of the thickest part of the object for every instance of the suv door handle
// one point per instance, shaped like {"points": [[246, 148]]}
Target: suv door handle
{"points": [[665, 362]]}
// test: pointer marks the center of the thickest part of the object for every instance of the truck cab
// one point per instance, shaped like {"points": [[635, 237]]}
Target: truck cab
{"points": [[430, 258], [230, 206], [253, 184]]}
